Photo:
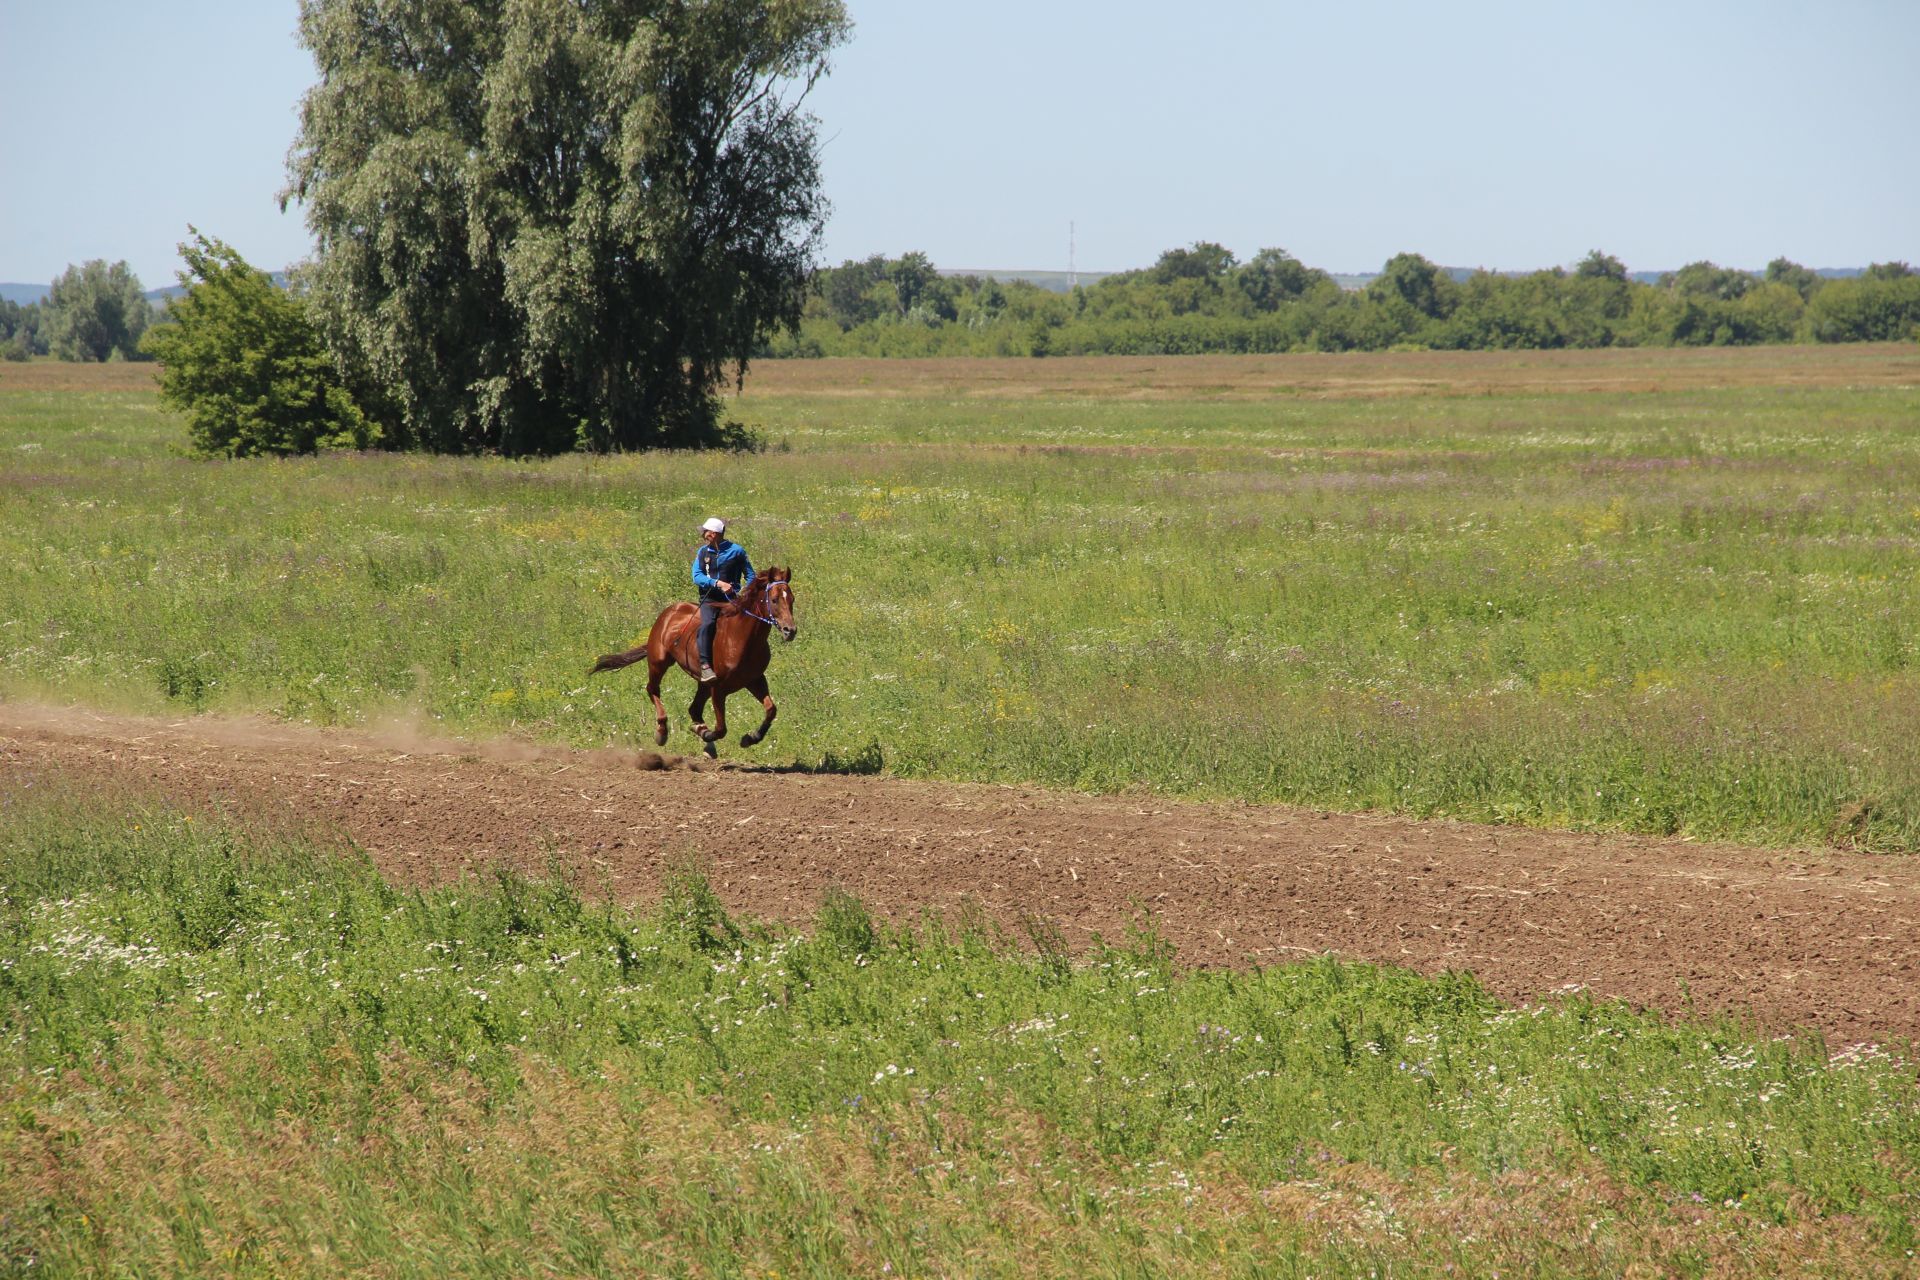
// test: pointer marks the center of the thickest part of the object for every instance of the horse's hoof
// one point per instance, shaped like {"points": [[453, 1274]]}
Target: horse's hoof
{"points": [[711, 753], [660, 736], [749, 739]]}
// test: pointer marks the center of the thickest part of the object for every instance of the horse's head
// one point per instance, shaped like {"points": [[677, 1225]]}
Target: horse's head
{"points": [[776, 600]]}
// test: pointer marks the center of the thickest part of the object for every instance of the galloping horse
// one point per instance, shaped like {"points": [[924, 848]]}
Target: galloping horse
{"points": [[740, 654]]}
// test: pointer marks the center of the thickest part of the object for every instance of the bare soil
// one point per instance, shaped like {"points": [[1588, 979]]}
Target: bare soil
{"points": [[1810, 938]]}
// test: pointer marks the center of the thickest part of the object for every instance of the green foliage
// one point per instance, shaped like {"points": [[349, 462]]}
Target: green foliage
{"points": [[545, 226], [844, 924], [1705, 280], [1275, 276], [1801, 280], [1415, 284], [1492, 312], [22, 333], [1205, 260], [1601, 266], [904, 289], [692, 912], [240, 358], [95, 312], [249, 1010], [1198, 300], [1883, 305]]}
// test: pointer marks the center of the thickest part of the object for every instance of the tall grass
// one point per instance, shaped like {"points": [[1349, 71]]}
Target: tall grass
{"points": [[225, 1055], [1688, 611]]}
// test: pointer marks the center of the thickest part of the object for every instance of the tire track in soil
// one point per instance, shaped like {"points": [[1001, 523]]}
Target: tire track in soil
{"points": [[1804, 938]]}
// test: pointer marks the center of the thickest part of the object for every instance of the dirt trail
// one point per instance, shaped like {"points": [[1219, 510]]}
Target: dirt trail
{"points": [[1805, 938]]}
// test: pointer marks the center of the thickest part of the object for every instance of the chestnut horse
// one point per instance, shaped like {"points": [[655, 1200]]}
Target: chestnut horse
{"points": [[740, 654]]}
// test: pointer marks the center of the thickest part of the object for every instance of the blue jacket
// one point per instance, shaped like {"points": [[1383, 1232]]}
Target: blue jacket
{"points": [[723, 562]]}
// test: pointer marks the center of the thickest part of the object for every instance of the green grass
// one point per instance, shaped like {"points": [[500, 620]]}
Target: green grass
{"points": [[1690, 612], [226, 1054]]}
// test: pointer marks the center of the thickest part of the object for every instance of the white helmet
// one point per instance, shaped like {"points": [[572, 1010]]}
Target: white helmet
{"points": [[714, 524]]}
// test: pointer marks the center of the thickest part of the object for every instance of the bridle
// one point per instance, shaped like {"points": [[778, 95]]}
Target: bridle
{"points": [[768, 592]]}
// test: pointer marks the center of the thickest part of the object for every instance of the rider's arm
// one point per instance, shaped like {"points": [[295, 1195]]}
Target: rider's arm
{"points": [[700, 579]]}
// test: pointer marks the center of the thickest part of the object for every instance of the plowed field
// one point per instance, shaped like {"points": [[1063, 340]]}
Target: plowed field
{"points": [[1795, 939]]}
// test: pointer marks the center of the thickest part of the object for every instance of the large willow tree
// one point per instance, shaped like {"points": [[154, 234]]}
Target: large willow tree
{"points": [[550, 224]]}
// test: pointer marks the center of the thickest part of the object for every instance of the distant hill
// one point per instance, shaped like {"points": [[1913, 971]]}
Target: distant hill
{"points": [[1052, 281], [1057, 281], [1460, 275], [26, 293]]}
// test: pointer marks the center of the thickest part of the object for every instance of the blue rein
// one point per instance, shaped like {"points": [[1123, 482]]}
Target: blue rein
{"points": [[756, 617]]}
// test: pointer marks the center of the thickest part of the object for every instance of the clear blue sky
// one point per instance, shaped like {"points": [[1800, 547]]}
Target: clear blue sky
{"points": [[1504, 135]]}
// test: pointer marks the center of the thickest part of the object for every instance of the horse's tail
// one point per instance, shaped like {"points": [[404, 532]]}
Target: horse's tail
{"points": [[615, 661]]}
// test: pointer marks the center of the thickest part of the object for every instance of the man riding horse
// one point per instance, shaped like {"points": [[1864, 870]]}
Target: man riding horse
{"points": [[720, 571], [721, 642]]}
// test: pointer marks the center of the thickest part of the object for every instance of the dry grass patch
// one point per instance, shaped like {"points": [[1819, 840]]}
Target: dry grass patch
{"points": [[62, 375], [1352, 375], [1317, 375]]}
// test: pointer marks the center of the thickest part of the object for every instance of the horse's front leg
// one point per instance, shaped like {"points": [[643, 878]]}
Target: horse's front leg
{"points": [[719, 730], [758, 688], [697, 711]]}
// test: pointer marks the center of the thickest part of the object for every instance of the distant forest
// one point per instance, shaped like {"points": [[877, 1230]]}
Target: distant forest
{"points": [[1194, 300], [1200, 299]]}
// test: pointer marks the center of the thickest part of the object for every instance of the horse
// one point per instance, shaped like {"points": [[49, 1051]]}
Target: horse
{"points": [[740, 654]]}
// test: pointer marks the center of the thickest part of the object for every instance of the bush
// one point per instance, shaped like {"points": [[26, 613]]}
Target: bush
{"points": [[1883, 308], [241, 359]]}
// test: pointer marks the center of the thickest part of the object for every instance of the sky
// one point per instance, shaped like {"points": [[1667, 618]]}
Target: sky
{"points": [[1097, 133]]}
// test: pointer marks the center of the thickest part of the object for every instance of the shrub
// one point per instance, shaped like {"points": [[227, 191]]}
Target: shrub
{"points": [[240, 358]]}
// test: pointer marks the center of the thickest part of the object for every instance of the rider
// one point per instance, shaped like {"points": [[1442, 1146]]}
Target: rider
{"points": [[720, 571]]}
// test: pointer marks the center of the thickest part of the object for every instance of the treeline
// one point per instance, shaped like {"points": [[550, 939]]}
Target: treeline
{"points": [[93, 312], [1199, 299]]}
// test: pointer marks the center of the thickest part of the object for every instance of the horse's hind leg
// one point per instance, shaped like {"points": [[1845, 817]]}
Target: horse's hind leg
{"points": [[758, 688], [660, 659], [654, 671]]}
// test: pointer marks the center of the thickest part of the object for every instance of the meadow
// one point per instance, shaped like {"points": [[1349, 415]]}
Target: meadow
{"points": [[1666, 591], [223, 1053]]}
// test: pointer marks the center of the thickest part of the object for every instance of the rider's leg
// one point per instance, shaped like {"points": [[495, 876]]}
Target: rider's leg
{"points": [[703, 639]]}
